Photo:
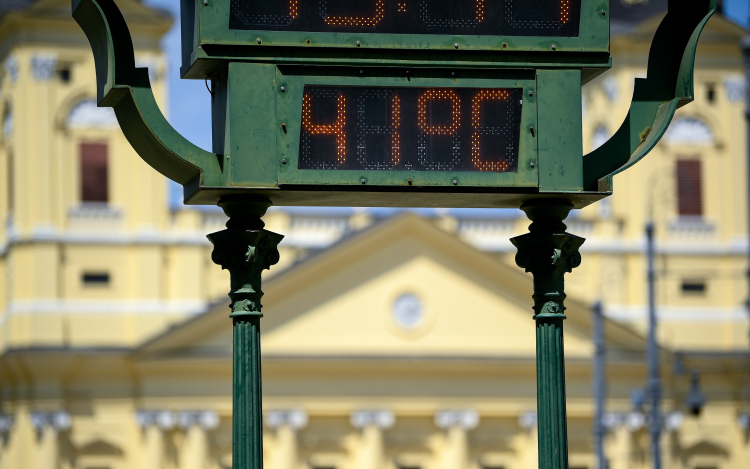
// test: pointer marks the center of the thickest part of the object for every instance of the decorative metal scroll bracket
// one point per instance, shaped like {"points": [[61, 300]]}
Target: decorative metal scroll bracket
{"points": [[127, 89], [668, 86]]}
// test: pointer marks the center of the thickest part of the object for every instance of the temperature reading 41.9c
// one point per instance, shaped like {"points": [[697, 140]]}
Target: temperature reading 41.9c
{"points": [[410, 129], [471, 17]]}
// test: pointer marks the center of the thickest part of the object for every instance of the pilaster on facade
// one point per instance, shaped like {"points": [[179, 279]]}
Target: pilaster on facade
{"points": [[195, 424], [285, 423], [456, 424], [48, 425], [370, 451]]}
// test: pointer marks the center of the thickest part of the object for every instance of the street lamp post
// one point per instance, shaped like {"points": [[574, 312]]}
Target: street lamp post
{"points": [[653, 383]]}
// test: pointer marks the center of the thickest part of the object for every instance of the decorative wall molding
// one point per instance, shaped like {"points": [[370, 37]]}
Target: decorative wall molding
{"points": [[7, 422], [165, 420], [11, 68], [58, 421], [528, 420], [43, 66], [466, 419], [296, 419], [206, 419], [736, 88], [106, 307], [631, 313], [382, 419]]}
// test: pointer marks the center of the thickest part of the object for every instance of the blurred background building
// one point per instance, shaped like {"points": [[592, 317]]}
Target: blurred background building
{"points": [[392, 339]]}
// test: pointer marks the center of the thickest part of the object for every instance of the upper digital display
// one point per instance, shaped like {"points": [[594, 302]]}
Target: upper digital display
{"points": [[478, 17]]}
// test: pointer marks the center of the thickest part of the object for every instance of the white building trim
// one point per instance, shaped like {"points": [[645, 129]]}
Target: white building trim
{"points": [[634, 313]]}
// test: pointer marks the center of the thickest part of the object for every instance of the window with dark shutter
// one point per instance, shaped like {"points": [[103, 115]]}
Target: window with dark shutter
{"points": [[689, 188], [94, 185]]}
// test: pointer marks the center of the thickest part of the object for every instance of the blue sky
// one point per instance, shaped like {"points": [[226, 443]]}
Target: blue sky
{"points": [[190, 103]]}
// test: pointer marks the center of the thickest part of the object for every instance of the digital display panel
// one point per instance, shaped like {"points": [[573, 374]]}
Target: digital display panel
{"points": [[410, 129], [476, 17]]}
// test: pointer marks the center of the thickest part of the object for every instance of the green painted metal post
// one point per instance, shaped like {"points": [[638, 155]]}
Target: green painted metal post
{"points": [[548, 252], [246, 249]]}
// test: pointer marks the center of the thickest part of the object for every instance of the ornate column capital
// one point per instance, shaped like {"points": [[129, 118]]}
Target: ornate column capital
{"points": [[296, 419], [744, 421], [464, 419], [528, 420], [382, 419], [164, 420], [245, 249], [548, 252], [204, 419], [57, 421], [6, 424]]}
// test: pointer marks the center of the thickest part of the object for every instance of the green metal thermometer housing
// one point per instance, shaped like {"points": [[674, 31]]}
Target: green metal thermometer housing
{"points": [[267, 82]]}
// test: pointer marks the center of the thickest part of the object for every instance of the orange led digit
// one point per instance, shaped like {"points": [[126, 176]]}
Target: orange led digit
{"points": [[479, 13], [337, 128], [564, 11], [396, 124], [359, 20], [437, 94], [476, 124], [293, 8]]}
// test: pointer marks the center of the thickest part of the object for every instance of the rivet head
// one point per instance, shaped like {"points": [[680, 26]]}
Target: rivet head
{"points": [[362, 180], [554, 47], [455, 44], [453, 74], [227, 157], [361, 72], [532, 164], [283, 161], [205, 2], [359, 43], [409, 181], [604, 13], [283, 88], [455, 182], [531, 93], [258, 40]]}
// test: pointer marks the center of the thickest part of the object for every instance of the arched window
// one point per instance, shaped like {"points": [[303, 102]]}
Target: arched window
{"points": [[87, 114], [689, 131]]}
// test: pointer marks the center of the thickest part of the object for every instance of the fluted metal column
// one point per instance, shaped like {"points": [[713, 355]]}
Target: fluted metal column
{"points": [[246, 249], [548, 252]]}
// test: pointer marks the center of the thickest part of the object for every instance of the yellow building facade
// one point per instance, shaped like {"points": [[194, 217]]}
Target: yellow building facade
{"points": [[391, 340]]}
